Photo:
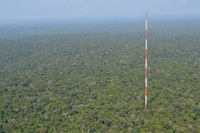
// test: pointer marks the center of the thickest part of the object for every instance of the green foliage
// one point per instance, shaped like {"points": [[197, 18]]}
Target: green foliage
{"points": [[94, 82]]}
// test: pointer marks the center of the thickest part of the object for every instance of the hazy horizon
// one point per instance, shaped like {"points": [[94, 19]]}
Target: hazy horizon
{"points": [[35, 10]]}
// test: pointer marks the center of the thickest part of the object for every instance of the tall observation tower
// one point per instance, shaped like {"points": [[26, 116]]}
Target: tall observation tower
{"points": [[146, 59]]}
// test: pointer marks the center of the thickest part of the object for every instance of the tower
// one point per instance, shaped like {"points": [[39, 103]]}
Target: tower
{"points": [[146, 59]]}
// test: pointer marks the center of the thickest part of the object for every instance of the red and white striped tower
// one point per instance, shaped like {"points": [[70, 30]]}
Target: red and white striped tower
{"points": [[146, 59]]}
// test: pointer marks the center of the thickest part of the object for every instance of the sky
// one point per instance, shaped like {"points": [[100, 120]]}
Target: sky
{"points": [[68, 9]]}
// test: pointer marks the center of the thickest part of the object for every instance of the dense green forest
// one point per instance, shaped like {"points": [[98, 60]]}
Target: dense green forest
{"points": [[94, 81]]}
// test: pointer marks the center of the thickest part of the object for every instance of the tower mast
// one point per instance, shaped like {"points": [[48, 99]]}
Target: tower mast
{"points": [[146, 59]]}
